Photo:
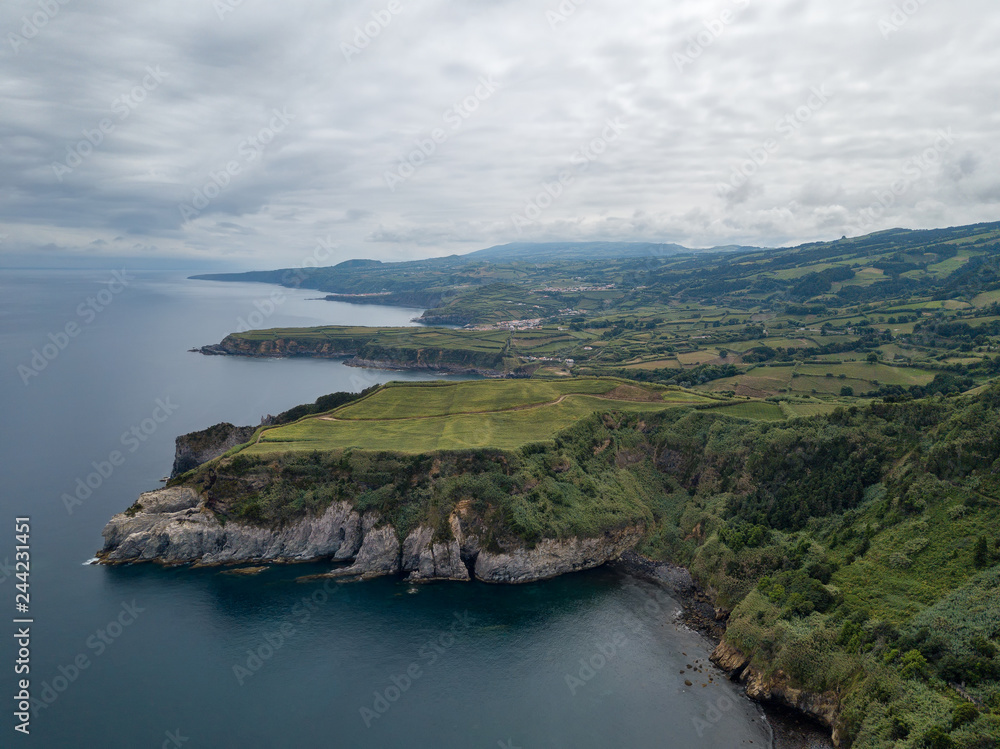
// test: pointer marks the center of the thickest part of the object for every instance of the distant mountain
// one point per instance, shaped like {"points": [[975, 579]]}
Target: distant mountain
{"points": [[528, 251], [902, 263], [515, 252]]}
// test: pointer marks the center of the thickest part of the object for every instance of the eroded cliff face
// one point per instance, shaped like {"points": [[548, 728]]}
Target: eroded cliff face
{"points": [[174, 526], [777, 688], [197, 448], [355, 353], [551, 558], [279, 348]]}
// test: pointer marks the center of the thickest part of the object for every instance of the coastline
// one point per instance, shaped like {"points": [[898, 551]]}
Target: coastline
{"points": [[375, 552], [792, 728], [351, 359]]}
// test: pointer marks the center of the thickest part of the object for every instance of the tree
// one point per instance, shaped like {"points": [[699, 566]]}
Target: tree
{"points": [[965, 712], [913, 664], [847, 391], [873, 358], [981, 555], [938, 738]]}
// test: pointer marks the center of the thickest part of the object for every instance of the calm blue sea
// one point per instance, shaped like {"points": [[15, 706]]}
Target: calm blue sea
{"points": [[143, 657]]}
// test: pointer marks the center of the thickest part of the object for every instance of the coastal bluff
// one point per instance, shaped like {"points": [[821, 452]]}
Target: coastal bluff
{"points": [[174, 526]]}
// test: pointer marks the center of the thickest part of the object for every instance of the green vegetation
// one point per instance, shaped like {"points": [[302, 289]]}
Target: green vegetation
{"points": [[889, 311], [812, 431], [508, 414], [858, 550]]}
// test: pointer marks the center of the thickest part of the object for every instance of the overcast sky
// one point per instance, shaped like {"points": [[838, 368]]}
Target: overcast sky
{"points": [[252, 131]]}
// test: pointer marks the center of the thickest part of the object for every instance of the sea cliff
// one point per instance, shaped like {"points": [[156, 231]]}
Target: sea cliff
{"points": [[366, 353], [175, 526], [778, 689]]}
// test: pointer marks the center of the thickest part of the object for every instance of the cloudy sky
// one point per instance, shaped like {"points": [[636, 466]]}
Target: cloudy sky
{"points": [[252, 133]]}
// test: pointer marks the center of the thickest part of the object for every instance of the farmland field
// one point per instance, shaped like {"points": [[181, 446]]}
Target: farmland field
{"points": [[752, 410], [500, 414]]}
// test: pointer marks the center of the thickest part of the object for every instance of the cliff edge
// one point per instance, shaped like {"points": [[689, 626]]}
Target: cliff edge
{"points": [[175, 526]]}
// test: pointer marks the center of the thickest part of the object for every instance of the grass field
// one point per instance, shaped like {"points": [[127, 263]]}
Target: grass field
{"points": [[503, 414], [800, 410], [987, 298], [656, 364], [400, 401], [826, 378], [754, 410]]}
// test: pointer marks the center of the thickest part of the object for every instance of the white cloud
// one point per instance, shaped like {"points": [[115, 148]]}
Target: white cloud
{"points": [[350, 121]]}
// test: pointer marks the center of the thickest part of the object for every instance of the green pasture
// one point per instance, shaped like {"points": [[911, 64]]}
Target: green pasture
{"points": [[504, 414]]}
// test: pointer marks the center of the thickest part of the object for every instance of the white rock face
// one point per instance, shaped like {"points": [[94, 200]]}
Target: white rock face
{"points": [[173, 526], [425, 560], [378, 556], [551, 558]]}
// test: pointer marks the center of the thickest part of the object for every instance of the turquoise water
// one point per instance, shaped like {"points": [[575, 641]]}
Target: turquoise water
{"points": [[139, 656]]}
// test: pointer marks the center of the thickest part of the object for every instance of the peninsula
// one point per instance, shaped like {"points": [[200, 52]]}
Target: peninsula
{"points": [[805, 435]]}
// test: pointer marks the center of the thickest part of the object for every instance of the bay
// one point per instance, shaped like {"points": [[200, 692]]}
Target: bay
{"points": [[588, 660]]}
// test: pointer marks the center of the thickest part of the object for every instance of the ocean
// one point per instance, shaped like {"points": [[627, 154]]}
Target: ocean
{"points": [[97, 363]]}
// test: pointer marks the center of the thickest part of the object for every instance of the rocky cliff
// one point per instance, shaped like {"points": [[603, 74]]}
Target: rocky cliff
{"points": [[174, 526], [363, 353], [551, 558], [776, 688], [282, 348], [194, 449]]}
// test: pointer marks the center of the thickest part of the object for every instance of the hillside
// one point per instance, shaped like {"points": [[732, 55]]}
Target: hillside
{"points": [[855, 553], [893, 314], [810, 431]]}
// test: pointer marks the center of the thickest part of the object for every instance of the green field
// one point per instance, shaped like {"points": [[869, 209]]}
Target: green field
{"points": [[753, 410], [804, 410], [504, 414], [826, 378], [401, 401]]}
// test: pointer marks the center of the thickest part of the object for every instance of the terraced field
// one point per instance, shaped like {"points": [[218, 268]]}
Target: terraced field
{"points": [[752, 410], [455, 416], [825, 378]]}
